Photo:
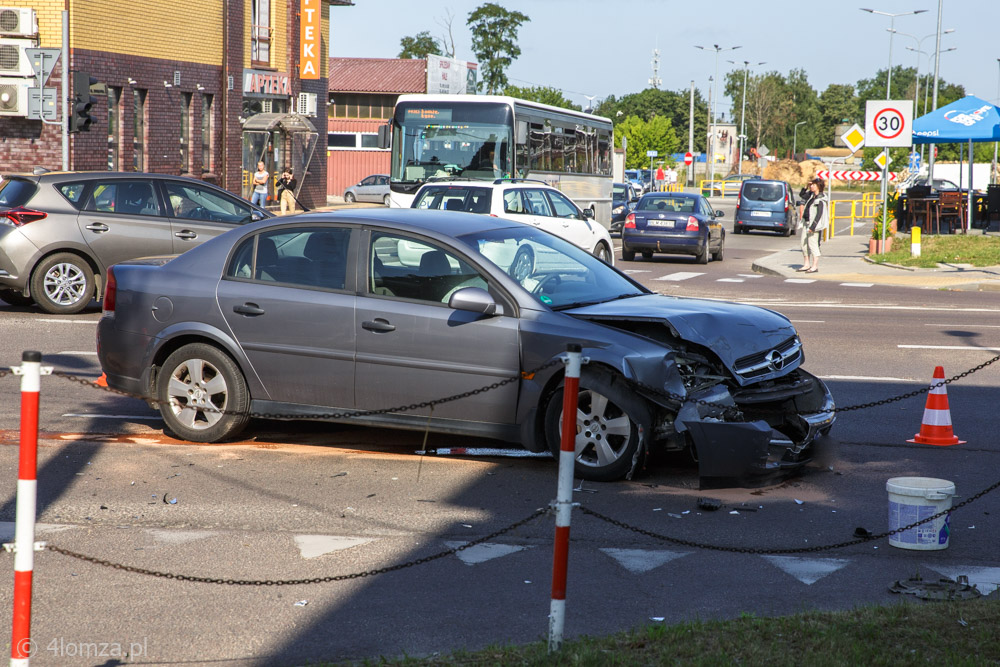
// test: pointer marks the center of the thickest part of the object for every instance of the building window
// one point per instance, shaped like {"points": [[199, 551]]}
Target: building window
{"points": [[349, 140], [114, 126], [354, 105], [139, 130], [260, 33], [185, 132], [206, 133]]}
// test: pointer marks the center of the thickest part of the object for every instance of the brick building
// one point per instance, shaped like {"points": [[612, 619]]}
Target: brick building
{"points": [[203, 88]]}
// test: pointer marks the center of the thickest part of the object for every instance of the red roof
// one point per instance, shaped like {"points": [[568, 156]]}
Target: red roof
{"points": [[377, 75]]}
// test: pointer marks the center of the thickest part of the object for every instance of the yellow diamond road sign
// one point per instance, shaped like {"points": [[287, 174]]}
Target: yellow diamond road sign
{"points": [[883, 160], [854, 138]]}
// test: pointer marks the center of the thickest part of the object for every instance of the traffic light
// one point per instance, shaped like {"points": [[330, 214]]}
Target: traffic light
{"points": [[80, 120]]}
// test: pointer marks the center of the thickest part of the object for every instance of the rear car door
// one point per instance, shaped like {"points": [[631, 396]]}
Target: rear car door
{"points": [[412, 347], [288, 297], [714, 225], [198, 213], [123, 219]]}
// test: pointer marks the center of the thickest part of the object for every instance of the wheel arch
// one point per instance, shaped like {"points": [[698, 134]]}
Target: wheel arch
{"points": [[95, 267], [172, 343]]}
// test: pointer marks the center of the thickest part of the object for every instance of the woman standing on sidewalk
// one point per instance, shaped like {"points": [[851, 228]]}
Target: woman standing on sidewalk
{"points": [[816, 218]]}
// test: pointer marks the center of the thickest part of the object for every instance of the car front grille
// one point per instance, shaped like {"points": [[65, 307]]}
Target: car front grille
{"points": [[759, 364]]}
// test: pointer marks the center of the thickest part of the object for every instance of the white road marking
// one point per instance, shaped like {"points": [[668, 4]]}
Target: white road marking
{"points": [[868, 378], [7, 529], [680, 275], [483, 552], [807, 321], [801, 281], [966, 326], [179, 536], [631, 271], [83, 415], [638, 561], [730, 280], [857, 284], [807, 570], [970, 348], [49, 319], [313, 546], [750, 275], [986, 579], [81, 352]]}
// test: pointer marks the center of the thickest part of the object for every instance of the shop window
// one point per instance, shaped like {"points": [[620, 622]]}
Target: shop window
{"points": [[260, 33], [206, 133], [114, 126], [185, 132]]}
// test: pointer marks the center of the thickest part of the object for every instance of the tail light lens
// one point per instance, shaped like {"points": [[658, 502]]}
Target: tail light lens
{"points": [[22, 216], [692, 224], [110, 292], [629, 221]]}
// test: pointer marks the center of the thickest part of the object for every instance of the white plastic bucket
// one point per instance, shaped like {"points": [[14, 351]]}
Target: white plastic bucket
{"points": [[913, 499]]}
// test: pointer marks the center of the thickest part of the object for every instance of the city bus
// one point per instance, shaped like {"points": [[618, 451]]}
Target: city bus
{"points": [[437, 137]]}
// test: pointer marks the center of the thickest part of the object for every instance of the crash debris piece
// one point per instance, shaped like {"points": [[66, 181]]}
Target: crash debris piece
{"points": [[942, 589], [709, 504]]}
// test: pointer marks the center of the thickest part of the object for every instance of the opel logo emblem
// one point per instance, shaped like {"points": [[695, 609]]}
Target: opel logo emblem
{"points": [[774, 360]]}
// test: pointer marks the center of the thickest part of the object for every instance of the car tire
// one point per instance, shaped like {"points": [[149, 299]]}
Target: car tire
{"points": [[386, 199], [627, 255], [15, 298], [62, 284], [702, 257], [788, 231], [349, 198], [721, 252], [194, 384], [647, 254], [609, 417], [603, 252], [523, 265]]}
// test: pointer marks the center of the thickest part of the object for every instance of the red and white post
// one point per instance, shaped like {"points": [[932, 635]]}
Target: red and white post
{"points": [[564, 496], [24, 528]]}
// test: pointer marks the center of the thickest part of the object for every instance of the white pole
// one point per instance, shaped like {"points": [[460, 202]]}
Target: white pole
{"points": [[937, 70], [691, 136], [66, 74]]}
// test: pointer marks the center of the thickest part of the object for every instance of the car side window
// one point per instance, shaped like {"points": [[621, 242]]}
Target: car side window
{"points": [[304, 257], [536, 203], [73, 192], [563, 207], [368, 181], [512, 202], [193, 202], [407, 268], [125, 197]]}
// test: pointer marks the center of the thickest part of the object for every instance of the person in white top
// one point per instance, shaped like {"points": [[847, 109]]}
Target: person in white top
{"points": [[259, 197]]}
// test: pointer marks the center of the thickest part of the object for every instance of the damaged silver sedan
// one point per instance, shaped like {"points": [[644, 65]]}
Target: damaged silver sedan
{"points": [[373, 316]]}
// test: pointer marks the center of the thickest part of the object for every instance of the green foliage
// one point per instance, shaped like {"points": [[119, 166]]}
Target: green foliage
{"points": [[652, 103], [419, 46], [656, 134], [882, 229], [494, 41], [542, 94]]}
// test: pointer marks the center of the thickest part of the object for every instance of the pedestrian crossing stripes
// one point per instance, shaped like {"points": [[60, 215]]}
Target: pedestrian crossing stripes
{"points": [[680, 275]]}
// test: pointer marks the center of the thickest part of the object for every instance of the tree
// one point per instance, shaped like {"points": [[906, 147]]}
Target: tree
{"points": [[656, 134], [653, 102], [419, 46], [494, 41], [543, 94]]}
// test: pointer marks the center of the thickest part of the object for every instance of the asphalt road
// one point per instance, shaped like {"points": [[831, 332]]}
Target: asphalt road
{"points": [[302, 500]]}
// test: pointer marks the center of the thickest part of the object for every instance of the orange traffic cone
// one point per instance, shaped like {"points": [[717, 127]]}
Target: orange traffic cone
{"points": [[102, 381], [935, 429]]}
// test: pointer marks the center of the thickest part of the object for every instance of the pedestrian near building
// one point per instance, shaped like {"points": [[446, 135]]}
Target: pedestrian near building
{"points": [[815, 218], [286, 191], [660, 178], [260, 177]]}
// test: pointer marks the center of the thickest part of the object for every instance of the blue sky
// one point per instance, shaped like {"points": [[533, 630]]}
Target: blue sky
{"points": [[598, 47]]}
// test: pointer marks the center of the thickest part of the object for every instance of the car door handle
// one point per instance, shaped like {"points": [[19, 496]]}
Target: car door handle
{"points": [[186, 234], [98, 227], [248, 309], [378, 325]]}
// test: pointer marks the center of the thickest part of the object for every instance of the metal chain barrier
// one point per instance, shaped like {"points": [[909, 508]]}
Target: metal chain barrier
{"points": [[789, 550], [296, 582]]}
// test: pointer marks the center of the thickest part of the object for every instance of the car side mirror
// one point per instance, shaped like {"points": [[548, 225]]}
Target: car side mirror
{"points": [[474, 300], [633, 200], [720, 214], [588, 213]]}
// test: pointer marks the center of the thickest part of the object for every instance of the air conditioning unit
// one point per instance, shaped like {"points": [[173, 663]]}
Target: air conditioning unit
{"points": [[14, 97], [307, 104], [17, 21], [13, 59]]}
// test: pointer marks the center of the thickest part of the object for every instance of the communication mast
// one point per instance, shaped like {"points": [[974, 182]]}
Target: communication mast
{"points": [[655, 80]]}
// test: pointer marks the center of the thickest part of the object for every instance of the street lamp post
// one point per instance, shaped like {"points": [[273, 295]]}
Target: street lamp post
{"points": [[920, 44], [927, 87], [743, 113], [715, 101], [795, 136]]}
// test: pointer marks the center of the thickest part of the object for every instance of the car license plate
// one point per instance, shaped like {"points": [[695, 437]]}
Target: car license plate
{"points": [[661, 223], [760, 214]]}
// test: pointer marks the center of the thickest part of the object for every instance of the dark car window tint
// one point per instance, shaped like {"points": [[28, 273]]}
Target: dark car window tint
{"points": [[667, 204], [308, 257], [563, 207], [512, 202], [125, 197], [449, 198], [193, 202], [404, 267], [16, 192], [754, 191], [73, 192], [537, 203]]}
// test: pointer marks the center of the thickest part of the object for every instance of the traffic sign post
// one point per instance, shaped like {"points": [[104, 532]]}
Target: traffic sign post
{"points": [[854, 138], [651, 155], [43, 102], [888, 124]]}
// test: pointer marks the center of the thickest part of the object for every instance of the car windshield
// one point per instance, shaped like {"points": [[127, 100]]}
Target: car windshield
{"points": [[618, 192], [556, 273], [454, 198], [668, 204], [759, 191]]}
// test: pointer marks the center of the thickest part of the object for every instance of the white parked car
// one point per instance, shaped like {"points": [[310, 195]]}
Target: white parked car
{"points": [[529, 202]]}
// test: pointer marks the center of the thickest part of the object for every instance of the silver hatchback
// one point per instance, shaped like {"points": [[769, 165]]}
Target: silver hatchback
{"points": [[60, 231]]}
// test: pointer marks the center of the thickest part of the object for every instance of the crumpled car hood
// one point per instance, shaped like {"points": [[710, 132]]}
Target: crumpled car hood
{"points": [[731, 330]]}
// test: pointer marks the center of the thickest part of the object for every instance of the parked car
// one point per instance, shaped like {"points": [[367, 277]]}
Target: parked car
{"points": [[324, 314], [766, 205], [525, 201], [60, 231], [374, 188], [676, 223], [634, 177], [726, 187], [623, 198]]}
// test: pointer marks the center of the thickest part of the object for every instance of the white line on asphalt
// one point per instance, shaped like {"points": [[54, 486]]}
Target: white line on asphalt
{"points": [[867, 378], [970, 348], [89, 354], [49, 319], [857, 284], [868, 306], [966, 326], [801, 281], [749, 275], [631, 271], [730, 280], [680, 275], [84, 415]]}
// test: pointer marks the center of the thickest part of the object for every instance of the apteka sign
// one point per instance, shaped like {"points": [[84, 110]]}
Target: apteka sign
{"points": [[309, 38]]}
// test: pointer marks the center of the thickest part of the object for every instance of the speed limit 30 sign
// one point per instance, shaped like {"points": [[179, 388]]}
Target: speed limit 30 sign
{"points": [[889, 123]]}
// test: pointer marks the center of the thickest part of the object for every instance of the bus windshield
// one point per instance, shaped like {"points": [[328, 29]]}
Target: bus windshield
{"points": [[451, 140]]}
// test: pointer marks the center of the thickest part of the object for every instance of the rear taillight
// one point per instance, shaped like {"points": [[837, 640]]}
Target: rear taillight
{"points": [[110, 291], [629, 221], [22, 216], [692, 224]]}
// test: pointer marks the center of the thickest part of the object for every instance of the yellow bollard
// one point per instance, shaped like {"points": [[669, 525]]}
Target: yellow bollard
{"points": [[915, 242]]}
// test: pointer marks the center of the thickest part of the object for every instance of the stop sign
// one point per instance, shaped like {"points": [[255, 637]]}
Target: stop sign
{"points": [[688, 158]]}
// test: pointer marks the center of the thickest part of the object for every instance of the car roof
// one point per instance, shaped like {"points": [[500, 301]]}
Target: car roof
{"points": [[448, 223], [671, 195]]}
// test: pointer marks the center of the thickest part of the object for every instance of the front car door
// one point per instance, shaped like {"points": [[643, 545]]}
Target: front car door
{"points": [[288, 297], [412, 347], [199, 213], [367, 191], [575, 228], [124, 219]]}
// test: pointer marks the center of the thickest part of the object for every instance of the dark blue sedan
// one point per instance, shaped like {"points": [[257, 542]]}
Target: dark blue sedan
{"points": [[675, 223]]}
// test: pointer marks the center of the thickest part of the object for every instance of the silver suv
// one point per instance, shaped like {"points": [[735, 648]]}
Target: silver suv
{"points": [[60, 231], [530, 202]]}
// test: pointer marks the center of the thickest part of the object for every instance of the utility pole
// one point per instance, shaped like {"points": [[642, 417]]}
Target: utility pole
{"points": [[937, 70], [690, 175]]}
